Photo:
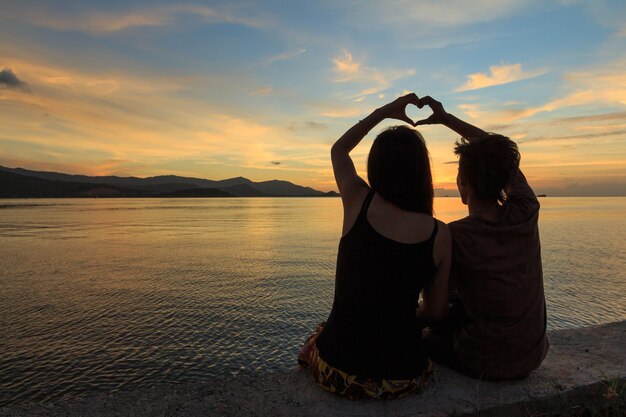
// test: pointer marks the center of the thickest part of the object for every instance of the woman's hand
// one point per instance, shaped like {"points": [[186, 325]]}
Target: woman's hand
{"points": [[397, 108]]}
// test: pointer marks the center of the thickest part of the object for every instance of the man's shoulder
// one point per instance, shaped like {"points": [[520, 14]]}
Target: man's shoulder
{"points": [[460, 224]]}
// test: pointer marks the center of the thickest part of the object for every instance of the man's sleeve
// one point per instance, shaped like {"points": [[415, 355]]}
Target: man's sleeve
{"points": [[521, 199]]}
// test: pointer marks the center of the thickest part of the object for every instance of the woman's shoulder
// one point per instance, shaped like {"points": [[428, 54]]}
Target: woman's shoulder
{"points": [[355, 194], [353, 199]]}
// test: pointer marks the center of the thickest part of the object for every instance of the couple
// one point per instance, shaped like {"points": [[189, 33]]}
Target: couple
{"points": [[483, 307]]}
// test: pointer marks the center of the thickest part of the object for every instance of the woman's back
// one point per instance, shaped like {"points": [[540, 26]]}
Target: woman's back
{"points": [[397, 224], [372, 329]]}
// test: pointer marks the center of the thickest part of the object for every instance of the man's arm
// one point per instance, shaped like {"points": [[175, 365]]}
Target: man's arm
{"points": [[519, 191], [440, 116], [517, 188]]}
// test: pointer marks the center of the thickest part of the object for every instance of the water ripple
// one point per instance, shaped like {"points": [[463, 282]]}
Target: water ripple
{"points": [[98, 296]]}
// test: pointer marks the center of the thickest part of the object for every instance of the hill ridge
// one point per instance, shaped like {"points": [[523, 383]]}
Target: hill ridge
{"points": [[156, 186]]}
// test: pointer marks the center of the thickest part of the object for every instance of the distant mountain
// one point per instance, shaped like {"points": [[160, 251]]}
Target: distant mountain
{"points": [[243, 190], [281, 188], [22, 186], [196, 192], [66, 185]]}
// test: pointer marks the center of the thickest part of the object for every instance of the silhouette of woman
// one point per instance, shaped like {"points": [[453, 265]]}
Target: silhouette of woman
{"points": [[391, 250]]}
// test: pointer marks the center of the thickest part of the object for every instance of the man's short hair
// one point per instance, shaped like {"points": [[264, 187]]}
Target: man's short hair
{"points": [[488, 163]]}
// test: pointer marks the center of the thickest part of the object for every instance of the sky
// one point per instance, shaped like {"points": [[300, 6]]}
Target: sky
{"points": [[262, 89]]}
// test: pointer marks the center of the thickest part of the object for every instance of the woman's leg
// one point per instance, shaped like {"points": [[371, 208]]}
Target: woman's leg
{"points": [[306, 352]]}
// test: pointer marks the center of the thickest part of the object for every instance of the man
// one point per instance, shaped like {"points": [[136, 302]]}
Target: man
{"points": [[498, 330]]}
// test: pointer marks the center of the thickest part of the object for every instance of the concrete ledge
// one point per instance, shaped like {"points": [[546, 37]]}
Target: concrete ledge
{"points": [[579, 363]]}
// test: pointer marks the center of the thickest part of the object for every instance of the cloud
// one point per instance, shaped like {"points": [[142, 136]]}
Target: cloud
{"points": [[498, 75], [435, 24], [285, 56], [592, 118], [609, 14], [442, 13], [69, 81], [588, 189], [471, 110], [586, 136], [9, 80], [345, 67], [107, 22], [265, 90], [593, 87], [340, 112], [308, 125], [347, 70], [607, 86]]}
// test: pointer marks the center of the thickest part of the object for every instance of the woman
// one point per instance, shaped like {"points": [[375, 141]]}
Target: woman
{"points": [[391, 249]]}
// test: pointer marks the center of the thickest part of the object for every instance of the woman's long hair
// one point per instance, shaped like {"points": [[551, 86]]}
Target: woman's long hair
{"points": [[398, 168]]}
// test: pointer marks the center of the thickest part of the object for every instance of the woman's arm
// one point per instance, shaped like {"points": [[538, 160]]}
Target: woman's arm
{"points": [[348, 182], [440, 116]]}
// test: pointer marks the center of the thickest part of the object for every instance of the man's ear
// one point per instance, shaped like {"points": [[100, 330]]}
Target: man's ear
{"points": [[460, 179]]}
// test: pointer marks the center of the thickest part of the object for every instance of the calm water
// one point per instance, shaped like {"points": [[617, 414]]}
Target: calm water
{"points": [[108, 294]]}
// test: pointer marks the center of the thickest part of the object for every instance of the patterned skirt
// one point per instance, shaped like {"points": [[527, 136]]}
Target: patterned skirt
{"points": [[352, 386]]}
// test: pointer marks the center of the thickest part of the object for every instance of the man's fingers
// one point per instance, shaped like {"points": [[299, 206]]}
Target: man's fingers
{"points": [[428, 121], [425, 101]]}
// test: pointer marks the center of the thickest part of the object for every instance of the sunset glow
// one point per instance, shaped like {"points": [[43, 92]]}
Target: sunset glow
{"points": [[260, 90]]}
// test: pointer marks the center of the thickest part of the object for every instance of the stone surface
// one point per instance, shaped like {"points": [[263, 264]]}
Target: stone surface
{"points": [[577, 358]]}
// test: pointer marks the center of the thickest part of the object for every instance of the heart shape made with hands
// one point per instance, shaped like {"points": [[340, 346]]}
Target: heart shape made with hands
{"points": [[417, 114]]}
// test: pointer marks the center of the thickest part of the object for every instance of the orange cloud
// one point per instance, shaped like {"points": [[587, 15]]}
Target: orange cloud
{"points": [[602, 86], [265, 90], [339, 112], [375, 80], [345, 67], [498, 75], [286, 55]]}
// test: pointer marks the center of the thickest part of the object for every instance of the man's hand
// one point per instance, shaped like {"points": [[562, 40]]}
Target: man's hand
{"points": [[439, 114]]}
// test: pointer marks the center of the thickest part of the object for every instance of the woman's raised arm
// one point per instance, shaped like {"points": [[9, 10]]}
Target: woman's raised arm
{"points": [[348, 182]]}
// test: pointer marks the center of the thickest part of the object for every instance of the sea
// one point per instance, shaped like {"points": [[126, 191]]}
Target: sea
{"points": [[101, 295]]}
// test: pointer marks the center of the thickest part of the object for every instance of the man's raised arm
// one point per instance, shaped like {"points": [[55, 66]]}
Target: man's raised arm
{"points": [[440, 116]]}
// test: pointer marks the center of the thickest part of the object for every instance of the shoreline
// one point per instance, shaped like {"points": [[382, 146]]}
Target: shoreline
{"points": [[580, 361]]}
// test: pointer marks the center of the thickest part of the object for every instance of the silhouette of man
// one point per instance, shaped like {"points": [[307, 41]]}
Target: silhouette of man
{"points": [[496, 328]]}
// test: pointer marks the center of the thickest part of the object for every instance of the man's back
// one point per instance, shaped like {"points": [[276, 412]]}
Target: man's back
{"points": [[497, 270]]}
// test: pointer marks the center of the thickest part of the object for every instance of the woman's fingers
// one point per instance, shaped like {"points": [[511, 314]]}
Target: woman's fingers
{"points": [[397, 108]]}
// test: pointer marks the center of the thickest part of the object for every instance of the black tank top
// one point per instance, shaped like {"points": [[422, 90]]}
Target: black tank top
{"points": [[372, 330]]}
